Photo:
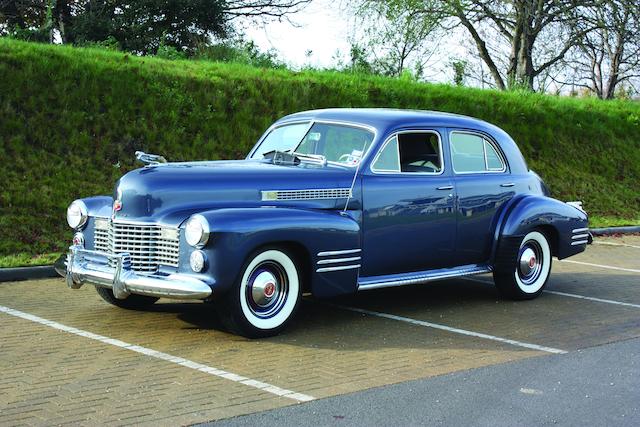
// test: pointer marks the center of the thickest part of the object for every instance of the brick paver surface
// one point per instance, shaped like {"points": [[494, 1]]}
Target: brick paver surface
{"points": [[53, 377]]}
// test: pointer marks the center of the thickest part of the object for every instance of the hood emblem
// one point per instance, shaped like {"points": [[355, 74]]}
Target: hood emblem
{"points": [[117, 205]]}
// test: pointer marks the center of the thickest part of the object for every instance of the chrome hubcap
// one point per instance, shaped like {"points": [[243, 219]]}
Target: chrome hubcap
{"points": [[530, 262], [267, 289]]}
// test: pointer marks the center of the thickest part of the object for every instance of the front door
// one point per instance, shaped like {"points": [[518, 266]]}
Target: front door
{"points": [[409, 221]]}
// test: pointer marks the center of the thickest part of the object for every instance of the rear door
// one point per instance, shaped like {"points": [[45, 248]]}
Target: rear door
{"points": [[483, 184]]}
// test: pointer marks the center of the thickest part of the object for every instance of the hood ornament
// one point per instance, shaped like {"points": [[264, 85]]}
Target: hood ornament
{"points": [[150, 159]]}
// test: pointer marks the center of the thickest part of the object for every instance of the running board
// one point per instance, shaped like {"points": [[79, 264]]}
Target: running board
{"points": [[377, 282]]}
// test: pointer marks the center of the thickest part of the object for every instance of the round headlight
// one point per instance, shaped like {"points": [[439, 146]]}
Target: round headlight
{"points": [[197, 261], [196, 231], [77, 214]]}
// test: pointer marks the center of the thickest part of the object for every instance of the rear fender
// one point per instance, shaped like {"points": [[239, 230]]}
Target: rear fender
{"points": [[557, 219]]}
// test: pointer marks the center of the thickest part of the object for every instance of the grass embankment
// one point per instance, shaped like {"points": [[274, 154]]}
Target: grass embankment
{"points": [[70, 120]]}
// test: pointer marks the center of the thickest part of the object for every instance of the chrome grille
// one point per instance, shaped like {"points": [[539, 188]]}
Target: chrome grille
{"points": [[149, 245]]}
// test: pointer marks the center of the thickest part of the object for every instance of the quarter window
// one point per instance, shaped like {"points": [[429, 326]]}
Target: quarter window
{"points": [[411, 152], [474, 153]]}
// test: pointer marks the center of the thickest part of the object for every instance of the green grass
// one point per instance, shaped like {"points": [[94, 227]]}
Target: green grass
{"points": [[71, 119], [596, 221], [26, 259]]}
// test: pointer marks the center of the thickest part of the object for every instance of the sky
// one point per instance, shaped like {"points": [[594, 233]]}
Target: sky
{"points": [[325, 28], [321, 28]]}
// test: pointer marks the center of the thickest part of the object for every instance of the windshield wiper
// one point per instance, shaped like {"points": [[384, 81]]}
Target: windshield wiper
{"points": [[318, 158]]}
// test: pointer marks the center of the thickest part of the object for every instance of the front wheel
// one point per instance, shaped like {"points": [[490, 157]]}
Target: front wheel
{"points": [[526, 275], [266, 296]]}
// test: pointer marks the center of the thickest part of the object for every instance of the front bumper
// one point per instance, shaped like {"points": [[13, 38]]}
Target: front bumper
{"points": [[92, 267]]}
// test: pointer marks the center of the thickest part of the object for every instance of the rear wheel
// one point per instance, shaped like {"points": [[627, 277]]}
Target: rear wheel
{"points": [[526, 273], [132, 302], [266, 296]]}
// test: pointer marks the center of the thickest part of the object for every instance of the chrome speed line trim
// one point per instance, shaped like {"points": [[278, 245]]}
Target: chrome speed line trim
{"points": [[579, 230], [344, 252], [581, 242], [580, 236], [338, 268], [338, 260], [306, 194], [425, 277]]}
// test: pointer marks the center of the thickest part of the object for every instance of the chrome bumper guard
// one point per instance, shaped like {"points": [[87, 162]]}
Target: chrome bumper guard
{"points": [[92, 267]]}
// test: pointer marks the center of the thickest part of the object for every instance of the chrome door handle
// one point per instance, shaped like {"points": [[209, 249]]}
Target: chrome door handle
{"points": [[446, 187], [508, 184]]}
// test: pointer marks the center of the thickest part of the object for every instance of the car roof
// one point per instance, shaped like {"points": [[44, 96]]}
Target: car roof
{"points": [[385, 118]]}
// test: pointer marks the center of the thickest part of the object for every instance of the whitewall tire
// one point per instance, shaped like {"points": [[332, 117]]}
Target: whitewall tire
{"points": [[265, 297], [527, 272]]}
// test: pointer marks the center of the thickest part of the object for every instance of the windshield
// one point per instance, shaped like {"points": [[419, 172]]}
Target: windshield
{"points": [[335, 142]]}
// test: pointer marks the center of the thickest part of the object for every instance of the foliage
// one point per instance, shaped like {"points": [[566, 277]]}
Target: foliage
{"points": [[138, 26], [239, 51], [71, 119], [459, 71]]}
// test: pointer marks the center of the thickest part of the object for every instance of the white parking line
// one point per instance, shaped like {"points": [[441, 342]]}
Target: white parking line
{"points": [[565, 294], [269, 388], [608, 301], [615, 244], [454, 330], [610, 267]]}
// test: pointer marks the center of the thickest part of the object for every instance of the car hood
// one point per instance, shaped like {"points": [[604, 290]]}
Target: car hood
{"points": [[170, 193]]}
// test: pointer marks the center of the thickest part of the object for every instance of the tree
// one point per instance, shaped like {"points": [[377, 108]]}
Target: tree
{"points": [[610, 55], [140, 26], [513, 26], [397, 35]]}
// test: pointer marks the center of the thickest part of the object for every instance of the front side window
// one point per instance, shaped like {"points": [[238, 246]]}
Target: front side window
{"points": [[473, 153], [410, 152], [335, 142]]}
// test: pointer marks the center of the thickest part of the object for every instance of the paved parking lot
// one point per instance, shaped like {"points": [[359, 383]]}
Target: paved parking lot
{"points": [[68, 357]]}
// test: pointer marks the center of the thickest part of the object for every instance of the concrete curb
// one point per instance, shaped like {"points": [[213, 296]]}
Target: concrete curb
{"points": [[633, 229], [27, 273]]}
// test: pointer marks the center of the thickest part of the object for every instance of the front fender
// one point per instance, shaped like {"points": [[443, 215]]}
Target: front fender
{"points": [[237, 232], [531, 212], [99, 205]]}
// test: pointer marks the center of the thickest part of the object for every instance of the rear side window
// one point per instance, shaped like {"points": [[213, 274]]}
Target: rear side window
{"points": [[474, 153]]}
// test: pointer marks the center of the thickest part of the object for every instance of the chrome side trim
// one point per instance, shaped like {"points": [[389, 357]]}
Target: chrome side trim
{"points": [[338, 260], [344, 252], [580, 242], [306, 194], [580, 236], [341, 267], [579, 230], [421, 277]]}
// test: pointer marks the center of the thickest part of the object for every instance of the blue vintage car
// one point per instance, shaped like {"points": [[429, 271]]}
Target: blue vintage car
{"points": [[329, 202]]}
